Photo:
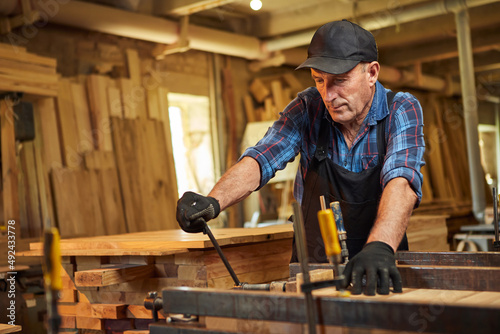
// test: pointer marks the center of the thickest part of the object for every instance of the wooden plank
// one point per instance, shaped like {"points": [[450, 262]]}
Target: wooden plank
{"points": [[134, 66], [115, 102], [46, 116], [315, 275], [89, 323], [29, 171], [249, 109], [124, 139], [277, 91], [428, 233], [293, 82], [27, 57], [133, 99], [169, 241], [140, 312], [153, 97], [100, 160], [109, 194], [68, 321], [67, 125], [9, 164], [170, 169], [114, 274], [82, 115], [470, 259], [80, 214], [4, 328], [46, 203], [258, 90], [102, 311], [99, 111]]}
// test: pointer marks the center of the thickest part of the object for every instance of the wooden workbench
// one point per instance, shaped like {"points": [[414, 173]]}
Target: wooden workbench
{"points": [[105, 279]]}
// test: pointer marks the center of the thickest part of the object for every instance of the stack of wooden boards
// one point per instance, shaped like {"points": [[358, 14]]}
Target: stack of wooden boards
{"points": [[101, 162], [269, 96], [105, 279], [21, 71], [446, 174]]}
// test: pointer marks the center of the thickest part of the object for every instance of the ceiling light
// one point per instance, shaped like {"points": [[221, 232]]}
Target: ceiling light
{"points": [[256, 4]]}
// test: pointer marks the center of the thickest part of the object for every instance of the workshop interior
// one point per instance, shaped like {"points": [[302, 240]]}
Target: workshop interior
{"points": [[111, 110]]}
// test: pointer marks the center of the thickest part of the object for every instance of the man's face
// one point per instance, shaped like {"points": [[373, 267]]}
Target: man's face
{"points": [[348, 96]]}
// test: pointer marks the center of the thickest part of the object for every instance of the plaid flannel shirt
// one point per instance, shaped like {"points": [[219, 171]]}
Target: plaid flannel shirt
{"points": [[296, 131]]}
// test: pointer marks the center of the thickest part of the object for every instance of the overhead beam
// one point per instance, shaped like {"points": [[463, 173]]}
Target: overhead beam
{"points": [[308, 17], [483, 41], [434, 28], [186, 7]]}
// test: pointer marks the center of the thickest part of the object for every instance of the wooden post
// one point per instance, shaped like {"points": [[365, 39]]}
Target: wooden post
{"points": [[9, 165]]}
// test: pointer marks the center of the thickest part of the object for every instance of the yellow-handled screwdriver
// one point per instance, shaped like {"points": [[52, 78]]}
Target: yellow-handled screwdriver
{"points": [[329, 233]]}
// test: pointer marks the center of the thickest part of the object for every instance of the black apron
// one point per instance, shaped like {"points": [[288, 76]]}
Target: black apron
{"points": [[358, 194]]}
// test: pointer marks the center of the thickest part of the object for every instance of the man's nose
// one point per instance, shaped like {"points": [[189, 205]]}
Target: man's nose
{"points": [[330, 93]]}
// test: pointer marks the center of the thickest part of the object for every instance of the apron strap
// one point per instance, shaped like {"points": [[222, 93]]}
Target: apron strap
{"points": [[323, 141]]}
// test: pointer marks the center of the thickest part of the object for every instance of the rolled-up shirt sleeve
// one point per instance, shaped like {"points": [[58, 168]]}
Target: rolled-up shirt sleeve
{"points": [[279, 145], [405, 145]]}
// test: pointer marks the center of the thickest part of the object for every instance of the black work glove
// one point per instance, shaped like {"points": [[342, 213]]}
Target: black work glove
{"points": [[376, 260], [193, 210]]}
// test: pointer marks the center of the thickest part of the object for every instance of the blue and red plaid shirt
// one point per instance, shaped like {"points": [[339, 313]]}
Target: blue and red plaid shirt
{"points": [[296, 131]]}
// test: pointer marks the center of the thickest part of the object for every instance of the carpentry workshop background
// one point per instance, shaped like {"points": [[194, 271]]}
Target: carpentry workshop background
{"points": [[112, 109]]}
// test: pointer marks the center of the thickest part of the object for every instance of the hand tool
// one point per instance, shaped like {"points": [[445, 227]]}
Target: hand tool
{"points": [[329, 234], [496, 243], [339, 220], [300, 239]]}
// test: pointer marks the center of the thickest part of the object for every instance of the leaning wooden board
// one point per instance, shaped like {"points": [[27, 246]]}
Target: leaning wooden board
{"points": [[105, 279]]}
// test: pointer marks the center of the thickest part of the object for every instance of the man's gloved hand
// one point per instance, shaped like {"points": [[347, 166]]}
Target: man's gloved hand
{"points": [[193, 210], [376, 259]]}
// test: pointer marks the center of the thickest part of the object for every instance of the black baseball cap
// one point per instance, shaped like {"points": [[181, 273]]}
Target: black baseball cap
{"points": [[338, 46]]}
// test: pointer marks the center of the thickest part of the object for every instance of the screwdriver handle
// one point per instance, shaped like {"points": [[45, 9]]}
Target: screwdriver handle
{"points": [[328, 230], [337, 213]]}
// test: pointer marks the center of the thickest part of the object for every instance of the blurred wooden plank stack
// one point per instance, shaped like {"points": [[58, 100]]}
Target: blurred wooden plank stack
{"points": [[101, 162], [105, 279], [268, 96], [21, 71]]}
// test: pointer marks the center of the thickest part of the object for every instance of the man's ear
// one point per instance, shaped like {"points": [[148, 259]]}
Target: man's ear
{"points": [[373, 71]]}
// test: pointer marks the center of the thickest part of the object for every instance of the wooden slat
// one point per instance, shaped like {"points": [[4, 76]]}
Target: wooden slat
{"points": [[67, 125], [9, 164], [102, 311], [134, 66], [108, 191], [114, 274], [80, 214], [100, 160], [46, 203], [82, 116], [46, 116], [99, 111], [115, 102], [470, 259], [142, 161], [29, 171]]}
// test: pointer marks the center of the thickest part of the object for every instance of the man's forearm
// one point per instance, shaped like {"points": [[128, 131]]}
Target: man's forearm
{"points": [[395, 208], [237, 183]]}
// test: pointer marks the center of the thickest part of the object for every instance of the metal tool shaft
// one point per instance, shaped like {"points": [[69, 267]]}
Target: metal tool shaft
{"points": [[300, 239], [208, 232]]}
